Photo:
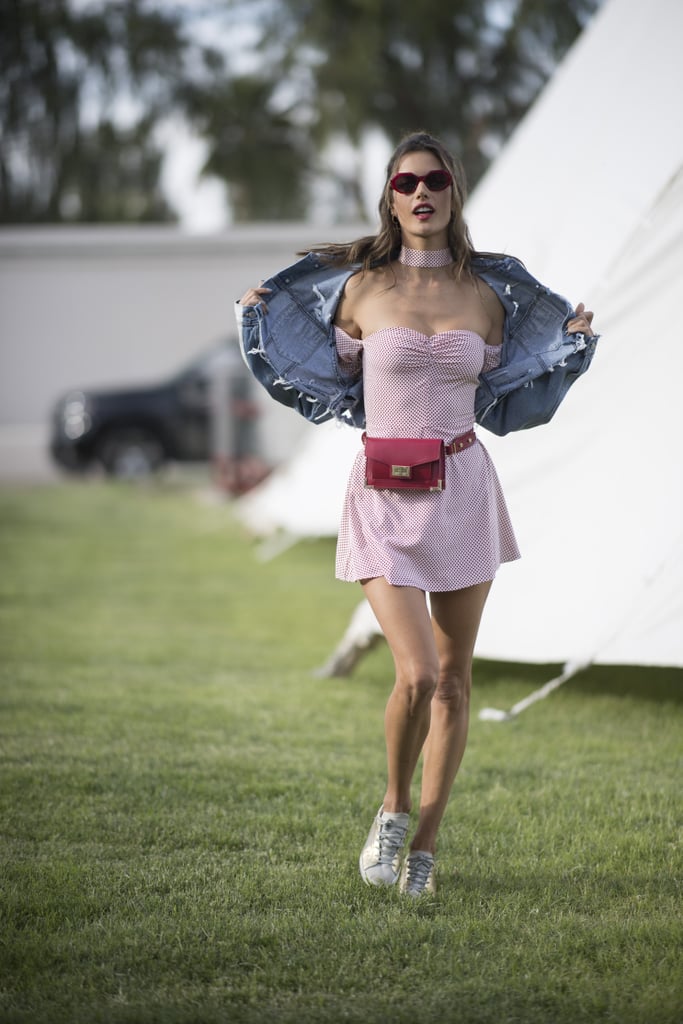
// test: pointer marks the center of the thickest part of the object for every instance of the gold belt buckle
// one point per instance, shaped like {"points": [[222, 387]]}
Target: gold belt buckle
{"points": [[403, 472]]}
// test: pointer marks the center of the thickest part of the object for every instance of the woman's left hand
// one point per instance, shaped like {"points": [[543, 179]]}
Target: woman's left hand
{"points": [[581, 321]]}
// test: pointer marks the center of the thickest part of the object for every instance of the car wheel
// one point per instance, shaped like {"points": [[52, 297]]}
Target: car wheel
{"points": [[130, 453]]}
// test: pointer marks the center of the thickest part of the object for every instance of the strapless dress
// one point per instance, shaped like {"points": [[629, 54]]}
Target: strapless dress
{"points": [[418, 385]]}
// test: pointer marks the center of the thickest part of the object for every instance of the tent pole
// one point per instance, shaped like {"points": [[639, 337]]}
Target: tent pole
{"points": [[570, 669]]}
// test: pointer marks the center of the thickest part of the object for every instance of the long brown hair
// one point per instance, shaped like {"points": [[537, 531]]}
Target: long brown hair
{"points": [[375, 250]]}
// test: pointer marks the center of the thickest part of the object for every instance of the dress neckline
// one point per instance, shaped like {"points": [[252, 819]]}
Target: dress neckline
{"points": [[421, 334]]}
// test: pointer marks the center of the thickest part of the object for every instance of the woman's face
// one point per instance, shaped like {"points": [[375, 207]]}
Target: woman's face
{"points": [[424, 214]]}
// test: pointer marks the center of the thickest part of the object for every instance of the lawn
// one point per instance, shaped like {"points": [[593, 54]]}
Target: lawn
{"points": [[183, 802]]}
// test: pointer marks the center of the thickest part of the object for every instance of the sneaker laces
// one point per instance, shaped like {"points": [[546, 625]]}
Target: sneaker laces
{"points": [[391, 836], [418, 868]]}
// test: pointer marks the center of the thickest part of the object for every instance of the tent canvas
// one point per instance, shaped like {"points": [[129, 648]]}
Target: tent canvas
{"points": [[589, 193]]}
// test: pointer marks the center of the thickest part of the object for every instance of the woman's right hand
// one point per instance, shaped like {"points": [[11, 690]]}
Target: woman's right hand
{"points": [[254, 297]]}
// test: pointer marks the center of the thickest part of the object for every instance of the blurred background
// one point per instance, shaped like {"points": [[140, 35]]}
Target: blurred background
{"points": [[156, 159]]}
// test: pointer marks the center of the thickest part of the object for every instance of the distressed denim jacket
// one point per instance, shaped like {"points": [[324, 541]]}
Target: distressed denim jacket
{"points": [[291, 349]]}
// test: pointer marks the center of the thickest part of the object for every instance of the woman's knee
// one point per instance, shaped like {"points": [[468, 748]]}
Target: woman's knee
{"points": [[419, 682], [454, 688]]}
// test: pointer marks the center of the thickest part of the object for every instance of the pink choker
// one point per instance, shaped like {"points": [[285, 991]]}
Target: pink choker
{"points": [[426, 258]]}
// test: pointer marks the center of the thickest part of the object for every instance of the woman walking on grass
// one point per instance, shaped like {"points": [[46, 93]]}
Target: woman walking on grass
{"points": [[403, 333]]}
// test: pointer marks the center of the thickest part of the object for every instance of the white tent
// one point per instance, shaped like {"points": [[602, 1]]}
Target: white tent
{"points": [[589, 193]]}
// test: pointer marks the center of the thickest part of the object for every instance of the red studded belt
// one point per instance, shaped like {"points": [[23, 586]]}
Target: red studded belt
{"points": [[458, 444]]}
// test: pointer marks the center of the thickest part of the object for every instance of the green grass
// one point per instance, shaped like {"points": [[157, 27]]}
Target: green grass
{"points": [[182, 802]]}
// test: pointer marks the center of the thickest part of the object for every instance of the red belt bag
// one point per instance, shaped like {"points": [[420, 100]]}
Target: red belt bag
{"points": [[410, 463]]}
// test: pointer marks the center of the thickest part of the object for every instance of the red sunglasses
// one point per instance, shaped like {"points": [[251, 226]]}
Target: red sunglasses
{"points": [[406, 183]]}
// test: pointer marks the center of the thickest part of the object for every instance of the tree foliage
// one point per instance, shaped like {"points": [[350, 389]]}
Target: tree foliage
{"points": [[84, 90], [258, 151], [465, 70]]}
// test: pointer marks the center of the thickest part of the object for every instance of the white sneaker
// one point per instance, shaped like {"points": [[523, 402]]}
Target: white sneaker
{"points": [[380, 858], [418, 875]]}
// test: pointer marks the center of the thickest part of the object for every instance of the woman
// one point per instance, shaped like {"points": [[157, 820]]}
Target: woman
{"points": [[419, 325]]}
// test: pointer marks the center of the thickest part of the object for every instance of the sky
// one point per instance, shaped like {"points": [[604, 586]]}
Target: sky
{"points": [[201, 203]]}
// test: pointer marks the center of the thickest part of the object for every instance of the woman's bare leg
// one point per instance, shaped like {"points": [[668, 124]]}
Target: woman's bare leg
{"points": [[455, 619], [404, 617]]}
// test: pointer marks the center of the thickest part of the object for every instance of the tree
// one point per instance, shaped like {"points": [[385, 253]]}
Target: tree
{"points": [[466, 70], [81, 94], [260, 152], [84, 90]]}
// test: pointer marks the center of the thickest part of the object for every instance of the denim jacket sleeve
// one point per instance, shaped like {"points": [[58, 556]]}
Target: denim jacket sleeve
{"points": [[539, 360], [291, 349]]}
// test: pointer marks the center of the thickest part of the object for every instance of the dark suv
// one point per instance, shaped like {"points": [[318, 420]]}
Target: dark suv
{"points": [[134, 431]]}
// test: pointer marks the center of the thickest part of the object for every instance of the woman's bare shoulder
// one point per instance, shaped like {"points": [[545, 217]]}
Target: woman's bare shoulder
{"points": [[358, 289], [364, 282]]}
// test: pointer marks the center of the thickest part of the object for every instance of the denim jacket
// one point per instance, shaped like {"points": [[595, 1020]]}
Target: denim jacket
{"points": [[291, 349]]}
